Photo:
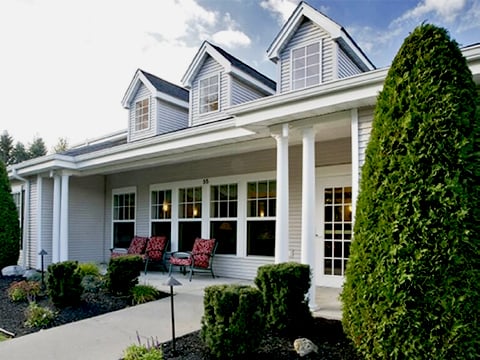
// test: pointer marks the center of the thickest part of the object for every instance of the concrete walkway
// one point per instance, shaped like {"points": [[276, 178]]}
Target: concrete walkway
{"points": [[106, 336]]}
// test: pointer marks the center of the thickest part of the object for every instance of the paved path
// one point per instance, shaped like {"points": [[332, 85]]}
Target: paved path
{"points": [[106, 336]]}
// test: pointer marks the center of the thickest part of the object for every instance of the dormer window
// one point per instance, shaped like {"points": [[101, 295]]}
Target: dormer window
{"points": [[208, 89], [142, 114], [306, 70]]}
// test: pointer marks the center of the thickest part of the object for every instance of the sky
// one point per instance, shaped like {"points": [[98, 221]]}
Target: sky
{"points": [[65, 65]]}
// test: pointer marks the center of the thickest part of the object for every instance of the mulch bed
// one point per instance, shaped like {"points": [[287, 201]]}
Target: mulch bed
{"points": [[326, 334]]}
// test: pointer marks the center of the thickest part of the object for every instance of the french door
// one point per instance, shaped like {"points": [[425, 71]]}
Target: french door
{"points": [[334, 229]]}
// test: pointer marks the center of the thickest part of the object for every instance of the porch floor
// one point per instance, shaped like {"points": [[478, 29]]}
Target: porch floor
{"points": [[327, 303]]}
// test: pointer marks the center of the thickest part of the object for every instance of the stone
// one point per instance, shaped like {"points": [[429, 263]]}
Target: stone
{"points": [[304, 346], [13, 270], [32, 275]]}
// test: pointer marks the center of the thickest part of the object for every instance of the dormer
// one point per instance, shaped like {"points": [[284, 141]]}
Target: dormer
{"points": [[312, 49], [218, 80], [155, 106]]}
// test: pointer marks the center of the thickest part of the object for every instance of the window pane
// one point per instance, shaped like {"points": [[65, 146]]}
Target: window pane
{"points": [[311, 81], [261, 238], [162, 229], [225, 232], [328, 249], [312, 70], [298, 53], [209, 93], [313, 60], [123, 233], [188, 231]]}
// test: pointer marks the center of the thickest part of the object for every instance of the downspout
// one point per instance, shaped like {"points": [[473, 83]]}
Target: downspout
{"points": [[26, 211]]}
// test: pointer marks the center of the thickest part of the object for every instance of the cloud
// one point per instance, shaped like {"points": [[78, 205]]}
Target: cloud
{"points": [[231, 38], [471, 18], [446, 10], [281, 9]]}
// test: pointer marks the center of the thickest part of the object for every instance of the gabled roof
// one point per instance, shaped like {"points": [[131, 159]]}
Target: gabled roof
{"points": [[230, 64], [158, 87], [336, 31]]}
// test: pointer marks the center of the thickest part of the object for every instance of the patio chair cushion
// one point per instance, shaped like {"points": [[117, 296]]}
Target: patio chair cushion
{"points": [[137, 246], [202, 251], [156, 248]]}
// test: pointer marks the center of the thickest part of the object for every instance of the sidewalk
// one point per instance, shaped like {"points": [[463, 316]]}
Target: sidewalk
{"points": [[106, 336]]}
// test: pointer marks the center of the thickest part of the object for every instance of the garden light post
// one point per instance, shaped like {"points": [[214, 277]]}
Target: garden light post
{"points": [[42, 254], [171, 281]]}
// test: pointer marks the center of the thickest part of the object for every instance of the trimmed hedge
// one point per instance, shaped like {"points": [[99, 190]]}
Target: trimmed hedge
{"points": [[233, 323], [412, 287], [64, 283], [123, 273], [284, 289]]}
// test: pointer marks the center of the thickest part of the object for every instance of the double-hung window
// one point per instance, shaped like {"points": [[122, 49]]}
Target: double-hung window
{"points": [[261, 212], [209, 96], [123, 217], [223, 217], [306, 66], [161, 213], [189, 216], [142, 114]]}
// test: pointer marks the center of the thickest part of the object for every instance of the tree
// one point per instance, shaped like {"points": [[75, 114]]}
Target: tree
{"points": [[19, 153], [61, 146], [412, 286], [6, 146], [9, 224], [37, 148]]}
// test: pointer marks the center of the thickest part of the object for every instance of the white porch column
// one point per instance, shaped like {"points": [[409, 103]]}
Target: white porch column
{"points": [[281, 224], [308, 207], [39, 222], [64, 219], [56, 219]]}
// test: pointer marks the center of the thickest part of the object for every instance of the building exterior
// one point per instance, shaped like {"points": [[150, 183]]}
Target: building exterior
{"points": [[268, 168]]}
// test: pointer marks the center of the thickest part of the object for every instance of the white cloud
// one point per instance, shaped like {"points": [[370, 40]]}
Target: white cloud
{"points": [[471, 18], [446, 10], [231, 38], [282, 9]]}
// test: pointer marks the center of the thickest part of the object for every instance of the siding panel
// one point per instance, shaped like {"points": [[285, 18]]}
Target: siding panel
{"points": [[170, 117], [133, 135], [365, 119], [31, 248], [242, 93], [346, 67]]}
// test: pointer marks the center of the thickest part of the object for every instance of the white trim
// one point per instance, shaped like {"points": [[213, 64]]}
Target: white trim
{"points": [[121, 191], [355, 160]]}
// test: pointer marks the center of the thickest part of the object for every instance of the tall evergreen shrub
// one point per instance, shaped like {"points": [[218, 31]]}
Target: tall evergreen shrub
{"points": [[412, 287], [9, 225]]}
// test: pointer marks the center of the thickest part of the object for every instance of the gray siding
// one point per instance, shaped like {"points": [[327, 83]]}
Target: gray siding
{"points": [[47, 218], [133, 135], [346, 67], [86, 219], [306, 33], [170, 117], [242, 92], [365, 119], [210, 67], [31, 248]]}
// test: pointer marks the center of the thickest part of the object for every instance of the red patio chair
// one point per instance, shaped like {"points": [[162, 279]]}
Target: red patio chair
{"points": [[200, 259], [137, 247], [155, 251]]}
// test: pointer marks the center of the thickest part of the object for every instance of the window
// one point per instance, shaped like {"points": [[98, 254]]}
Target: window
{"points": [[123, 218], [261, 212], [19, 199], [223, 212], [189, 214], [161, 213], [306, 66], [142, 114], [208, 89]]}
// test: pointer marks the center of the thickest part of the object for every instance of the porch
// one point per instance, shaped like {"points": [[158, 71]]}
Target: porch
{"points": [[327, 298]]}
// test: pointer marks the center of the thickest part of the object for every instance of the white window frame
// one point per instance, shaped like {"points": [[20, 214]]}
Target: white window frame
{"points": [[227, 218], [153, 220], [140, 123], [305, 77], [124, 191], [200, 95]]}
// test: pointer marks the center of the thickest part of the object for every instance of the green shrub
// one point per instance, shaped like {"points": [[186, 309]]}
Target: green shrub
{"points": [[9, 225], [233, 323], [284, 290], [123, 272], [90, 269], [412, 288], [24, 290], [150, 351], [144, 293], [38, 316], [64, 283]]}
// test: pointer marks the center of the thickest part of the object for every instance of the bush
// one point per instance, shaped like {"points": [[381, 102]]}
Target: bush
{"points": [[9, 224], [412, 285], [24, 290], [38, 316], [89, 269], [150, 351], [233, 323], [144, 293], [284, 288], [64, 283], [123, 272]]}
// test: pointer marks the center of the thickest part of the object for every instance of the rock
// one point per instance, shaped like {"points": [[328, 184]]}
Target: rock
{"points": [[32, 275], [13, 270], [304, 346]]}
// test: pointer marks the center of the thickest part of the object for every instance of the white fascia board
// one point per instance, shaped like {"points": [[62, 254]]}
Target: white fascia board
{"points": [[165, 148], [138, 79], [44, 164], [348, 40], [472, 54], [337, 95], [243, 75]]}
